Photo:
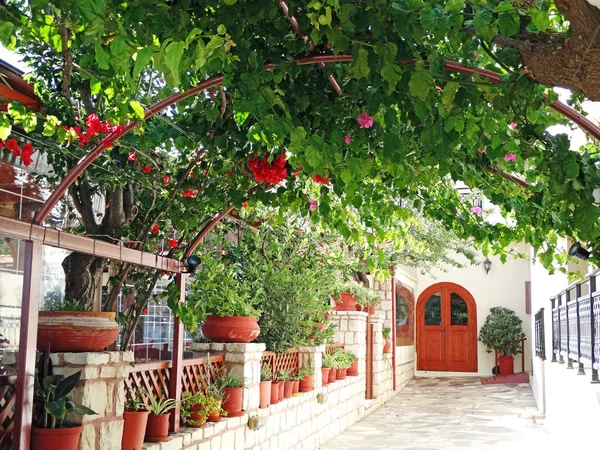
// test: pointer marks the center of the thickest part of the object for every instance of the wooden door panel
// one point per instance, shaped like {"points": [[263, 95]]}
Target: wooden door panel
{"points": [[433, 355], [459, 350]]}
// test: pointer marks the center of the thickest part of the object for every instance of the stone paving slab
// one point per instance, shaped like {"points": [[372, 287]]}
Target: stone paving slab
{"points": [[450, 414]]}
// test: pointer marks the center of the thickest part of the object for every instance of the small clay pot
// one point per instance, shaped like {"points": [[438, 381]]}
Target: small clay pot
{"points": [[234, 401], [306, 384], [325, 376], [157, 428], [353, 369], [134, 429], [275, 392], [265, 394]]}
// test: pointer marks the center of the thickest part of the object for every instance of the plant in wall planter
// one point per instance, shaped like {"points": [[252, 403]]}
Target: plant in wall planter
{"points": [[72, 326], [195, 408], [344, 295], [296, 388], [367, 301], [503, 331], [353, 368], [342, 362], [306, 379], [157, 429], [330, 360], [265, 386], [135, 419], [53, 401], [387, 346], [288, 383], [233, 400], [325, 368]]}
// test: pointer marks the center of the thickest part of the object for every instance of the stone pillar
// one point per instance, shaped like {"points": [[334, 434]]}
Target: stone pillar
{"points": [[102, 389], [243, 361], [352, 332], [312, 354], [385, 292], [377, 321]]}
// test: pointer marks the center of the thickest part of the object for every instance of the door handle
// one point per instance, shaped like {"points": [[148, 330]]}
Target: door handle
{"points": [[444, 331]]}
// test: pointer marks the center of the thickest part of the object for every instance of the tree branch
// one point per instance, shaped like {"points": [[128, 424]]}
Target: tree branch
{"points": [[65, 36]]}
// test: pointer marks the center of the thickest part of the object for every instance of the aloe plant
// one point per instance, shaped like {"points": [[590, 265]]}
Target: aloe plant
{"points": [[158, 406]]}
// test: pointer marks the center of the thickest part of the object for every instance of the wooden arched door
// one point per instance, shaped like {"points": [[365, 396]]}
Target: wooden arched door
{"points": [[446, 329]]}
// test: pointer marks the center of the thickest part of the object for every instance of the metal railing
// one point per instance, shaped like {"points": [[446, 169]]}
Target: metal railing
{"points": [[540, 339], [576, 326]]}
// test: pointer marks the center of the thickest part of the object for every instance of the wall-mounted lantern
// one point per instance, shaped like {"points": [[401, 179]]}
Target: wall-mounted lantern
{"points": [[487, 265]]}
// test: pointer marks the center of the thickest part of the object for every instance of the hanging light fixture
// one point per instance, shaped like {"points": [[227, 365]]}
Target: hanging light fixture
{"points": [[578, 251], [192, 262], [487, 265]]}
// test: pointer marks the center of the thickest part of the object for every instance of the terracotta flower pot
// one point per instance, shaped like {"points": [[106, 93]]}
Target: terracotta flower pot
{"points": [[55, 438], [234, 401], [332, 375], [353, 369], [387, 347], [367, 309], [275, 392], [325, 376], [265, 394], [197, 416], [306, 384], [288, 388], [340, 374], [76, 331], [216, 416], [296, 387], [134, 428], [231, 329], [507, 365], [346, 302], [281, 390], [157, 428]]}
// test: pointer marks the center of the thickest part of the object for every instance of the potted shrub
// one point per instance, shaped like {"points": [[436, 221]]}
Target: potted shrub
{"points": [[288, 383], [503, 331], [332, 361], [342, 362], [53, 401], [325, 368], [344, 295], [72, 326], [233, 399], [265, 386], [353, 369], [196, 408], [387, 346], [306, 379], [157, 428], [215, 391], [135, 419], [367, 301]]}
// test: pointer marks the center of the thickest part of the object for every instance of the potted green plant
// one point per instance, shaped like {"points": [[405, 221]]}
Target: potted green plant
{"points": [[306, 378], [233, 400], [341, 361], [367, 301], [157, 429], [296, 386], [288, 382], [195, 408], [53, 400], [265, 386], [328, 368], [345, 295], [72, 326], [135, 419], [503, 331], [353, 369], [387, 346]]}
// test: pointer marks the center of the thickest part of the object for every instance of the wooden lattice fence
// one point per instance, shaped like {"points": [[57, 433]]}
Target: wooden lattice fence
{"points": [[282, 362], [330, 348], [7, 409]]}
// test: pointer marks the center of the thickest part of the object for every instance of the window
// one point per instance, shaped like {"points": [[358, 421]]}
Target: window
{"points": [[401, 310], [433, 309], [405, 303], [459, 313]]}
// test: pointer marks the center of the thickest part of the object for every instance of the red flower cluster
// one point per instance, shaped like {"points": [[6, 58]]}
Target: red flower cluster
{"points": [[166, 179], [154, 229], [173, 243], [94, 127], [188, 193], [146, 169], [270, 173], [24, 153], [319, 179]]}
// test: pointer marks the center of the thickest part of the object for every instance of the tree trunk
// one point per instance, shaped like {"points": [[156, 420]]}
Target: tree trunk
{"points": [[83, 274]]}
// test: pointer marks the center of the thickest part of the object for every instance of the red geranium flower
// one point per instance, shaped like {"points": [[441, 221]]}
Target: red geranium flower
{"points": [[26, 154], [319, 179], [173, 243], [13, 146], [166, 179], [188, 193], [272, 173], [154, 229], [146, 169], [132, 156]]}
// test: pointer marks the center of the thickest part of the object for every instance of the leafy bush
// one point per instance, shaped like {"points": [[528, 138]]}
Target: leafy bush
{"points": [[71, 305], [502, 330], [386, 332], [364, 296]]}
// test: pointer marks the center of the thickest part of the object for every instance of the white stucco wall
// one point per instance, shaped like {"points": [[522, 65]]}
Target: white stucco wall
{"points": [[504, 286]]}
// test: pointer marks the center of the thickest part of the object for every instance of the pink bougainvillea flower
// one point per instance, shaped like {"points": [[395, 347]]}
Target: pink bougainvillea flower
{"points": [[264, 171], [365, 120], [26, 154], [320, 180], [154, 229], [108, 143], [166, 179], [312, 204], [13, 146], [348, 139], [118, 130], [439, 89], [482, 150], [188, 193], [173, 243], [204, 172], [191, 175], [200, 191], [132, 156], [212, 93], [477, 211], [105, 126], [93, 123], [513, 125], [485, 134], [510, 157], [1, 143], [146, 169]]}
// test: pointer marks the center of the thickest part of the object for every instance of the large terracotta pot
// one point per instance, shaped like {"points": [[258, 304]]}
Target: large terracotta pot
{"points": [[234, 401], [265, 394], [76, 331], [353, 369], [387, 347], [331, 378], [325, 375], [275, 392], [134, 428], [56, 438], [231, 329], [216, 416], [346, 302], [157, 429], [281, 390], [367, 309], [306, 384], [340, 374], [296, 387], [507, 365], [197, 417], [288, 388]]}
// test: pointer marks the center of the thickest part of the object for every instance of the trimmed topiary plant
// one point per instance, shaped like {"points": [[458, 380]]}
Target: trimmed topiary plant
{"points": [[503, 331]]}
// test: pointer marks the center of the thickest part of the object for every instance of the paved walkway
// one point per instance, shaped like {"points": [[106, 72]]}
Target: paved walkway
{"points": [[445, 413]]}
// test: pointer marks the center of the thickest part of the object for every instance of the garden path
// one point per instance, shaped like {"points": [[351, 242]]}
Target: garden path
{"points": [[450, 413]]}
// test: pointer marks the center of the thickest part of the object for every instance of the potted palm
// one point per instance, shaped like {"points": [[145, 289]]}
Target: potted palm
{"points": [[387, 346], [157, 428], [503, 331], [265, 386], [306, 379], [72, 326], [135, 419], [53, 401], [233, 400]]}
